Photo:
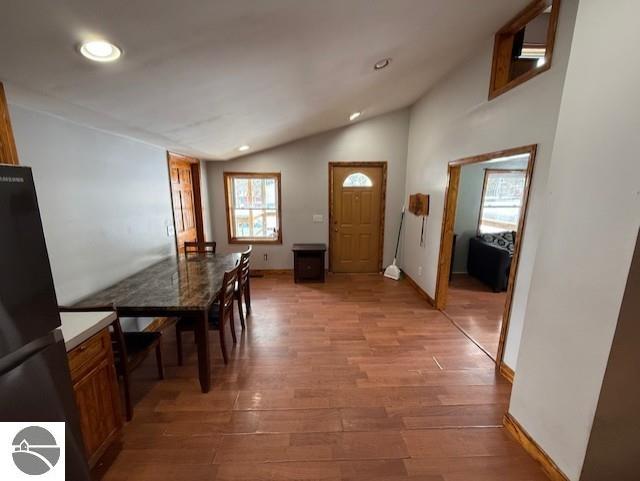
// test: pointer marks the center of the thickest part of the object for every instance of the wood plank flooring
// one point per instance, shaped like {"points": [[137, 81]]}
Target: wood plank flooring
{"points": [[355, 379], [477, 310]]}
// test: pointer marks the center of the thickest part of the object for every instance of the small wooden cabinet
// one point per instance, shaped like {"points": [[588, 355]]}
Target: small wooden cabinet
{"points": [[308, 262], [97, 394]]}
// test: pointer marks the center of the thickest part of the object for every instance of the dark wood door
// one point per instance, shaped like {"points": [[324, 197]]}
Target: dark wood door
{"points": [[356, 221], [182, 196]]}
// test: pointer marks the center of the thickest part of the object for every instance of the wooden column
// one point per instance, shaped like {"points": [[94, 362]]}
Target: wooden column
{"points": [[8, 152]]}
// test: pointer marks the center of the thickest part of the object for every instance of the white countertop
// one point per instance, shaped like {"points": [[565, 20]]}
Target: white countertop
{"points": [[77, 327]]}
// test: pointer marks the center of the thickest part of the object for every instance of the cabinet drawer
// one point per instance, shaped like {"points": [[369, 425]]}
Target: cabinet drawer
{"points": [[89, 353], [309, 267]]}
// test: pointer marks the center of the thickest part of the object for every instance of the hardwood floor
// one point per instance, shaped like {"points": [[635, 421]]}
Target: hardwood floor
{"points": [[477, 310], [356, 379]]}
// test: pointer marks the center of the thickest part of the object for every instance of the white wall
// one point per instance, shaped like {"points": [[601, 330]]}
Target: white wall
{"points": [[204, 196], [469, 201], [104, 200], [305, 171], [455, 120], [586, 246]]}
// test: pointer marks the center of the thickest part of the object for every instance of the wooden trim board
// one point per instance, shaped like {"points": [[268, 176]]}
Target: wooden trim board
{"points": [[448, 222], [523, 438], [383, 203], [419, 289], [506, 372], [8, 151], [272, 272]]}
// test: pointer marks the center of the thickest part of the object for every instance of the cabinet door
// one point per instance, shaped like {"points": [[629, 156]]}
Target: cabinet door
{"points": [[98, 401]]}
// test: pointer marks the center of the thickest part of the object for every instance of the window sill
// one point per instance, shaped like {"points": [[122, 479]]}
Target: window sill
{"points": [[255, 241]]}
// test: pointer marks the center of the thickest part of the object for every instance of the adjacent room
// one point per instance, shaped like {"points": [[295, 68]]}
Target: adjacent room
{"points": [[330, 240], [490, 205]]}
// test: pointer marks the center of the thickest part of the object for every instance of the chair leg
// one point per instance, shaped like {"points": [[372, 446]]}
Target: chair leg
{"points": [[247, 296], [232, 323], [239, 301], [159, 360], [127, 396], [223, 345], [179, 345]]}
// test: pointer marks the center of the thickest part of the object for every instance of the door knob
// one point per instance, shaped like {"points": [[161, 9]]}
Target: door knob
{"points": [[335, 230]]}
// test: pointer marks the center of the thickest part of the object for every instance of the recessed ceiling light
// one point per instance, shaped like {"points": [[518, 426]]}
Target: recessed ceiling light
{"points": [[243, 148], [354, 116], [100, 51], [380, 64]]}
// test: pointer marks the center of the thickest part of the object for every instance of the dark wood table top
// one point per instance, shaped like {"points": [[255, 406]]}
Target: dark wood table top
{"points": [[173, 284], [309, 247]]}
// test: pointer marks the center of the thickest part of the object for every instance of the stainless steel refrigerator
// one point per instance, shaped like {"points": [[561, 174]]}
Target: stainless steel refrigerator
{"points": [[35, 385]]}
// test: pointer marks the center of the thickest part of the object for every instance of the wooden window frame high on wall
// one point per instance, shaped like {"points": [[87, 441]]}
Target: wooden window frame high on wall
{"points": [[244, 240], [503, 45], [446, 237]]}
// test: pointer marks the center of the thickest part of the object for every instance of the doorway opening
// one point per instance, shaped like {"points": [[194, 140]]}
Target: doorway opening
{"points": [[483, 226], [186, 200], [357, 193]]}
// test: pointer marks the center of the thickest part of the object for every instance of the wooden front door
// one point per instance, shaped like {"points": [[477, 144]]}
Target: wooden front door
{"points": [[182, 196], [357, 216]]}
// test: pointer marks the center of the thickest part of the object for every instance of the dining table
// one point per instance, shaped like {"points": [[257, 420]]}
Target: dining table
{"points": [[177, 286]]}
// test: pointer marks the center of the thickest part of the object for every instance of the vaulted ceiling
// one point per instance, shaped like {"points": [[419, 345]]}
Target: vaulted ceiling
{"points": [[202, 77]]}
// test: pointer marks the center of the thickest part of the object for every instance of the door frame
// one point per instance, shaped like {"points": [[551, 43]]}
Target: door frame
{"points": [[197, 195], [383, 202], [448, 222]]}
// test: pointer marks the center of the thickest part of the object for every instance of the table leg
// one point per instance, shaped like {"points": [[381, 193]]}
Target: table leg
{"points": [[204, 360]]}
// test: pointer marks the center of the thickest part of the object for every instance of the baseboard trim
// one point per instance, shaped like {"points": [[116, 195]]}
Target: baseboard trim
{"points": [[415, 285], [266, 272], [531, 447], [506, 372]]}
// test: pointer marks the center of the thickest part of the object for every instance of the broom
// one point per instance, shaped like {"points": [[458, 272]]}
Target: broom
{"points": [[393, 271]]}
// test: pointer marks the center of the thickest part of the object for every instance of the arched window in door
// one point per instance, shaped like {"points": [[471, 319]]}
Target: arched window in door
{"points": [[357, 179]]}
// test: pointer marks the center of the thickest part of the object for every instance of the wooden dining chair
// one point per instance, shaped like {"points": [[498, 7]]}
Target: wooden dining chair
{"points": [[129, 350], [243, 289], [199, 248], [220, 315]]}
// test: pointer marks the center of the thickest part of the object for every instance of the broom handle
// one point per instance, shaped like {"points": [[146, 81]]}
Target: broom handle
{"points": [[399, 231]]}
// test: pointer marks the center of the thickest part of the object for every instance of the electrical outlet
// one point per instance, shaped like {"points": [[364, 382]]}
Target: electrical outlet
{"points": [[318, 218], [419, 270], [266, 257]]}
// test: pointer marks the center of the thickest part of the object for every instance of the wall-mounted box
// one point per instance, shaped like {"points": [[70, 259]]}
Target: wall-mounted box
{"points": [[419, 204]]}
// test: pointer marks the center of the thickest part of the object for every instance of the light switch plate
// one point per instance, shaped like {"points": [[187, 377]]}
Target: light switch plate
{"points": [[318, 218]]}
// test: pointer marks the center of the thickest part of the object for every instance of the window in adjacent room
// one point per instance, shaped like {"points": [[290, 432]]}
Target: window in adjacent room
{"points": [[253, 208], [501, 200], [523, 48]]}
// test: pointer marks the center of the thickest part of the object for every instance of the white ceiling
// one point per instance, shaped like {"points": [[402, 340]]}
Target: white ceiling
{"points": [[202, 77]]}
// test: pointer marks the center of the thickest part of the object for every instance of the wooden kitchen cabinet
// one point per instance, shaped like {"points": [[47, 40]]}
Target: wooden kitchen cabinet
{"points": [[97, 394]]}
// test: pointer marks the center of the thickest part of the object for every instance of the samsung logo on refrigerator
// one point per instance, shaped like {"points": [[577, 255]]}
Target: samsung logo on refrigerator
{"points": [[11, 179]]}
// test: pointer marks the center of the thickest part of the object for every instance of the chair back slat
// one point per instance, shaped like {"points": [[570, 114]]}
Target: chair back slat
{"points": [[243, 274], [199, 248], [227, 292]]}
